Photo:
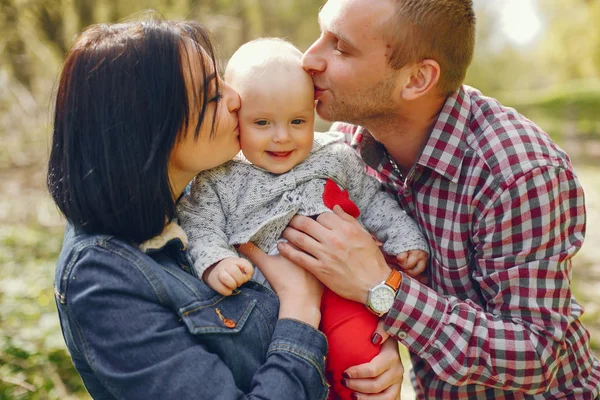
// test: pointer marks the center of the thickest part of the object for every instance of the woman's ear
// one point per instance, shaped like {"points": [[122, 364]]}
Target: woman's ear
{"points": [[422, 80]]}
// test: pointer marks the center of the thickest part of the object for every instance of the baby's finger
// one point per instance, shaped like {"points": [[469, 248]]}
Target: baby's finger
{"points": [[417, 268], [239, 276], [421, 265], [412, 272], [228, 280], [413, 258], [220, 288], [246, 267], [401, 259]]}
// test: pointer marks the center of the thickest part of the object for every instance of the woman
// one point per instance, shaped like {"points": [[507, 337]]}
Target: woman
{"points": [[140, 111]]}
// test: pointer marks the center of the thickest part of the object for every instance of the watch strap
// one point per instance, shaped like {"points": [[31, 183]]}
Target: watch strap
{"points": [[394, 280]]}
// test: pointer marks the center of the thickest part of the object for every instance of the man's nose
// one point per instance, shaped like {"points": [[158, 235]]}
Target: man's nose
{"points": [[312, 60]]}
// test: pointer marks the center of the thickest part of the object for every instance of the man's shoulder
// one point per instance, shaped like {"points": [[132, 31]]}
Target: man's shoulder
{"points": [[333, 158], [347, 130], [331, 144], [488, 115], [325, 139], [506, 139], [344, 127]]}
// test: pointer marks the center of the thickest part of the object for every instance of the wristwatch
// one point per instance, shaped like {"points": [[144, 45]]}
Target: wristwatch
{"points": [[381, 297]]}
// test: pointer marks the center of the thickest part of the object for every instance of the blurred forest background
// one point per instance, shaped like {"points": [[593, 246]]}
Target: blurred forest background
{"points": [[539, 56]]}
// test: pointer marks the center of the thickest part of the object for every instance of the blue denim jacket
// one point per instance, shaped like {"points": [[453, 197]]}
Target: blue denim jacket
{"points": [[138, 326]]}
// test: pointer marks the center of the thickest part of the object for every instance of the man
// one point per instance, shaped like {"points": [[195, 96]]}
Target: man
{"points": [[498, 201]]}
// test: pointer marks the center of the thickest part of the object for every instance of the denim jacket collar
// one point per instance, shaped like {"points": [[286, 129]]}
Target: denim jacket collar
{"points": [[171, 235]]}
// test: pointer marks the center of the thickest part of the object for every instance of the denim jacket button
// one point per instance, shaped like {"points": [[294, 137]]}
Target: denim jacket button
{"points": [[229, 323]]}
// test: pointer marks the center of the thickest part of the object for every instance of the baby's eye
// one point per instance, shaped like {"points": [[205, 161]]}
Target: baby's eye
{"points": [[262, 122], [338, 48], [297, 121]]}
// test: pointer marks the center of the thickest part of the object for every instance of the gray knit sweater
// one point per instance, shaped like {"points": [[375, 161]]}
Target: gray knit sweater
{"points": [[238, 202]]}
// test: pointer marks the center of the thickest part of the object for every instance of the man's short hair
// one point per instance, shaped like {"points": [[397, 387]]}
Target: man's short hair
{"points": [[442, 30]]}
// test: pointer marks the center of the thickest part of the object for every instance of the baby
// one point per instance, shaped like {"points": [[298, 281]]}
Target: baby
{"points": [[284, 169]]}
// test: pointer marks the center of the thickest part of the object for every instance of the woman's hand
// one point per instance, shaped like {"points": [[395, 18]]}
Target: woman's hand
{"points": [[379, 379], [298, 290]]}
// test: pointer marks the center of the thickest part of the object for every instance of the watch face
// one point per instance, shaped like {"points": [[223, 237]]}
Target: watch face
{"points": [[382, 298]]}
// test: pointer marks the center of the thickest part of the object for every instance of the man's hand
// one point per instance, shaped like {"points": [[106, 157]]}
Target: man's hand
{"points": [[381, 378], [229, 273], [338, 251]]}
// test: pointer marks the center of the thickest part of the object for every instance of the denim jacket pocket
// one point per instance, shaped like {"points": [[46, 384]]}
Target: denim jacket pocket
{"points": [[227, 315]]}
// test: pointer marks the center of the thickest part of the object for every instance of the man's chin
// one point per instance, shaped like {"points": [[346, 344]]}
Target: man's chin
{"points": [[325, 113]]}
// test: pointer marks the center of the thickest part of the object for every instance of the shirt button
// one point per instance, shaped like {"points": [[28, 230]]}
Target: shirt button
{"points": [[402, 335]]}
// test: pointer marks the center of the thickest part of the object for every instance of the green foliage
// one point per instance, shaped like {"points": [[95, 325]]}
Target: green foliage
{"points": [[571, 107], [567, 50], [554, 81], [33, 361], [564, 102]]}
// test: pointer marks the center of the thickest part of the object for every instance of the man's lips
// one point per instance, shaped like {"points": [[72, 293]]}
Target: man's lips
{"points": [[318, 92]]}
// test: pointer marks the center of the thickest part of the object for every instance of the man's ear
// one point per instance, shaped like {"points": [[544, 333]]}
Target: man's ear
{"points": [[423, 79]]}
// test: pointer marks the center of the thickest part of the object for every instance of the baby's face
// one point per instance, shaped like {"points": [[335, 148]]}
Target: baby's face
{"points": [[277, 123]]}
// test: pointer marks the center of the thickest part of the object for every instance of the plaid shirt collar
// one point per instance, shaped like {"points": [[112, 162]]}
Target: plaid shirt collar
{"points": [[445, 148]]}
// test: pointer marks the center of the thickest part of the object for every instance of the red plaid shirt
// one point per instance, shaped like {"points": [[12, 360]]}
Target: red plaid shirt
{"points": [[503, 213]]}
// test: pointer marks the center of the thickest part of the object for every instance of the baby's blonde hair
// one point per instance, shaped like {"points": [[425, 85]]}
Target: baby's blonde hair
{"points": [[263, 56]]}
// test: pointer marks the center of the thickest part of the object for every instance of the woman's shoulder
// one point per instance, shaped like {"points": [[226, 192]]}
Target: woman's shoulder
{"points": [[104, 264], [95, 266], [91, 254]]}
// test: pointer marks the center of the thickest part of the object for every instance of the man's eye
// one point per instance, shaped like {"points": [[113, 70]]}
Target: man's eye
{"points": [[262, 122], [218, 96], [297, 121]]}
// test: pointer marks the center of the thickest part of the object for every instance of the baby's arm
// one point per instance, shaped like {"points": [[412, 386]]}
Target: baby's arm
{"points": [[381, 215], [202, 217], [226, 275]]}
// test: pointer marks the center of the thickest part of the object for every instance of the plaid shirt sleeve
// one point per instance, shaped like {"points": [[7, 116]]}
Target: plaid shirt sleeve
{"points": [[517, 338]]}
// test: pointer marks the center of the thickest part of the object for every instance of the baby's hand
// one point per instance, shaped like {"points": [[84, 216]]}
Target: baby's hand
{"points": [[229, 273], [412, 262]]}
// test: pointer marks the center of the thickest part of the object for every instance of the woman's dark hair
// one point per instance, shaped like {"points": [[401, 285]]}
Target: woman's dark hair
{"points": [[121, 106]]}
